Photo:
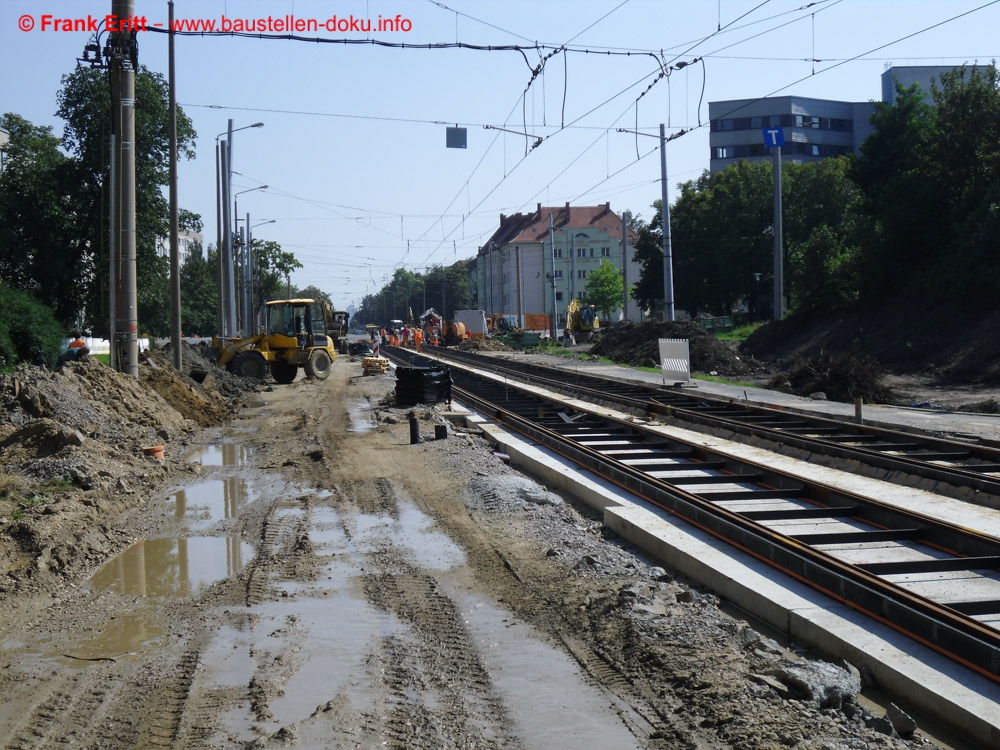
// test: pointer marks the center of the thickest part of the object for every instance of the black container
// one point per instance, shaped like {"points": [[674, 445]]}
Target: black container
{"points": [[423, 385]]}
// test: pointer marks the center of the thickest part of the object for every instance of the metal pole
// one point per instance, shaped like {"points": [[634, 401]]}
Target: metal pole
{"points": [[624, 269], [779, 306], [228, 281], [572, 263], [175, 263], [552, 250], [247, 303], [220, 323], [668, 271], [123, 61], [113, 252]]}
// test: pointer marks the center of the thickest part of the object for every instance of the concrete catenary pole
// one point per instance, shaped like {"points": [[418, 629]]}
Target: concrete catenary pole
{"points": [[779, 305], [228, 280], [552, 276], [624, 268], [123, 66], [668, 263], [175, 263], [220, 322]]}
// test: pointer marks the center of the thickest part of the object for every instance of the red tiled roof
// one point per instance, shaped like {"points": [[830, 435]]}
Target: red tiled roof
{"points": [[524, 229]]}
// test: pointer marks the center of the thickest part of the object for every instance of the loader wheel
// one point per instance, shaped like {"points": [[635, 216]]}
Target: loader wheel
{"points": [[249, 365], [319, 365], [283, 373]]}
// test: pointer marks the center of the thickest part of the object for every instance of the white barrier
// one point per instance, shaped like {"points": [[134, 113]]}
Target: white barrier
{"points": [[675, 360]]}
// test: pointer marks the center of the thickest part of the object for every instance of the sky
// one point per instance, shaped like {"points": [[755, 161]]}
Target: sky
{"points": [[353, 155]]}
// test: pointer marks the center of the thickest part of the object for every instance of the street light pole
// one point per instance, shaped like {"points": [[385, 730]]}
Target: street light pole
{"points": [[240, 299], [227, 309], [668, 262], [252, 270]]}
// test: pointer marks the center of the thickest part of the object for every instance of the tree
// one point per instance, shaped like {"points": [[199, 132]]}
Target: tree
{"points": [[200, 294], [85, 104], [897, 194], [604, 288], [823, 228], [312, 292], [274, 271], [39, 343], [43, 245]]}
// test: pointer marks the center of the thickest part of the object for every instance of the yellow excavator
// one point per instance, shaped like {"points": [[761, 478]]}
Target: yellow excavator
{"points": [[581, 320], [297, 333]]}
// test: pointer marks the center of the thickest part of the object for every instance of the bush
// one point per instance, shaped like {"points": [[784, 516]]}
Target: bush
{"points": [[29, 331]]}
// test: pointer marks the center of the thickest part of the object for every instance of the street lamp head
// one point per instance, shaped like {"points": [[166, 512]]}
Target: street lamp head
{"points": [[257, 125]]}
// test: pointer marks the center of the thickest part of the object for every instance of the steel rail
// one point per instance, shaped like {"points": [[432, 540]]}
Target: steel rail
{"points": [[801, 431], [945, 628]]}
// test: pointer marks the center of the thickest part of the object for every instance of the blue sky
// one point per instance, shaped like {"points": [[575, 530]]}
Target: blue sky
{"points": [[353, 147]]}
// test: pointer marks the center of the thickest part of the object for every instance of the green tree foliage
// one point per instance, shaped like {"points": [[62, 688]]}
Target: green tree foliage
{"points": [[722, 240], [649, 255], [604, 288], [892, 175], [312, 292], [200, 294], [85, 104], [930, 177], [43, 246], [445, 288], [823, 226], [39, 343], [274, 271]]}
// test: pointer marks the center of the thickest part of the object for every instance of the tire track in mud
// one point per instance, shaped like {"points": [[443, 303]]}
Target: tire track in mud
{"points": [[72, 712], [167, 702], [441, 692]]}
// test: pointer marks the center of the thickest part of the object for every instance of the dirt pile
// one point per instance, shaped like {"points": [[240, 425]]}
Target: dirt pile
{"points": [[635, 344], [483, 345], [71, 448], [839, 377]]}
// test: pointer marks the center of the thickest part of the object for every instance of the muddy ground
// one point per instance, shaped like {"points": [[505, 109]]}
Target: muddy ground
{"points": [[307, 577]]}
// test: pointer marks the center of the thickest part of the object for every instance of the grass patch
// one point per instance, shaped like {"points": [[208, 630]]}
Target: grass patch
{"points": [[741, 333]]}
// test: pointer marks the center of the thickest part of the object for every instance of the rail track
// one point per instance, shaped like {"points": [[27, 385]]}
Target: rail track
{"points": [[936, 582]]}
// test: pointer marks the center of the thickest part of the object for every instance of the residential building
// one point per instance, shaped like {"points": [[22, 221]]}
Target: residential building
{"points": [[520, 268], [813, 129], [187, 243]]}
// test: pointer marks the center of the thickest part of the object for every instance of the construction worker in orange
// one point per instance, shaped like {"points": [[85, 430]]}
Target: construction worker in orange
{"points": [[418, 337]]}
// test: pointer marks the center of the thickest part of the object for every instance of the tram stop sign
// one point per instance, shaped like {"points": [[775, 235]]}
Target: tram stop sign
{"points": [[774, 137]]}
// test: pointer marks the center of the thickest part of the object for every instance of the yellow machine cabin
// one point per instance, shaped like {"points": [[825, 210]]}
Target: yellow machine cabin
{"points": [[297, 333]]}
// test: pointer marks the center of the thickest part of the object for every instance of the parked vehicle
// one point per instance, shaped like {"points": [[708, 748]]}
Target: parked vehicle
{"points": [[297, 333]]}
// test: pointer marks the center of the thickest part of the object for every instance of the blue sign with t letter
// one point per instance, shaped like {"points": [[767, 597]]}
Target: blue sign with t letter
{"points": [[774, 137]]}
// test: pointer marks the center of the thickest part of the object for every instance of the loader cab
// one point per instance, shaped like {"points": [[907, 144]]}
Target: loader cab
{"points": [[300, 320]]}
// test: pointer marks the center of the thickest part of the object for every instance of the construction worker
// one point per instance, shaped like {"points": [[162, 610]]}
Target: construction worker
{"points": [[418, 337]]}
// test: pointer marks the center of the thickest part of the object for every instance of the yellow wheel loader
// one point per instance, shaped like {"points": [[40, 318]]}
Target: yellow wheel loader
{"points": [[297, 333]]}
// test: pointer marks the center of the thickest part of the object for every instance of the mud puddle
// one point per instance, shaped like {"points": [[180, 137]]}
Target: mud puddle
{"points": [[321, 643]]}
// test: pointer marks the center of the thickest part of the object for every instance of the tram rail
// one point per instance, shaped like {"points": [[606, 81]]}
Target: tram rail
{"points": [[873, 556]]}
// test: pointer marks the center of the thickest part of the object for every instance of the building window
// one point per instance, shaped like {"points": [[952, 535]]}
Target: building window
{"points": [[558, 296], [581, 274], [581, 252], [605, 252], [558, 275], [591, 252], [557, 253]]}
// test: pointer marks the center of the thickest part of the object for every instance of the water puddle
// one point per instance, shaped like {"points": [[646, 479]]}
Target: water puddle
{"points": [[208, 502], [172, 567], [121, 637], [362, 417], [543, 689], [222, 454]]}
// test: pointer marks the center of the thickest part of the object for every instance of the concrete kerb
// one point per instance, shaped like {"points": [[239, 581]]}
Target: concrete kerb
{"points": [[951, 695]]}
